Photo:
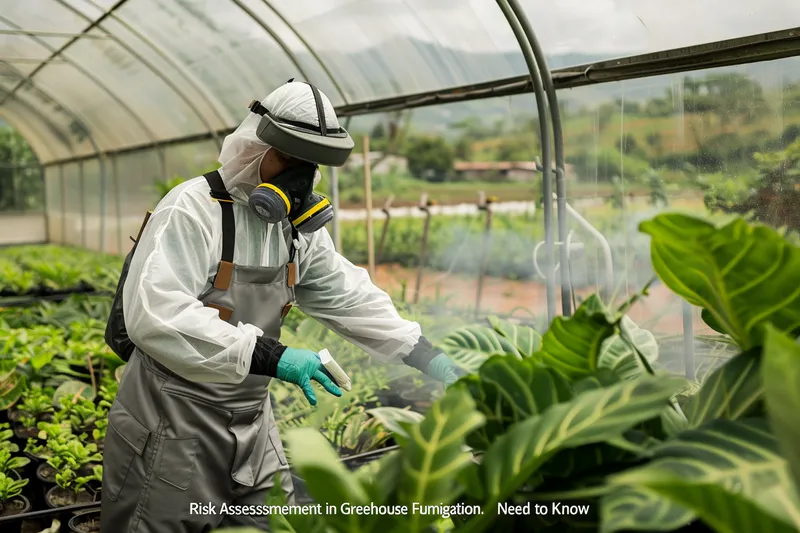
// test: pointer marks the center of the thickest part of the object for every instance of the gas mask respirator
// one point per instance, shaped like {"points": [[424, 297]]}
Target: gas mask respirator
{"points": [[291, 195]]}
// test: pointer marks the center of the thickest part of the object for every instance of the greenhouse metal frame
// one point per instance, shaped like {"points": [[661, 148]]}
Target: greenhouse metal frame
{"points": [[99, 122]]}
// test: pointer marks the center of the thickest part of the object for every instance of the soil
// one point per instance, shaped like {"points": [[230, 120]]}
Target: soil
{"points": [[58, 497], [25, 433], [91, 525], [46, 473], [15, 506], [660, 312]]}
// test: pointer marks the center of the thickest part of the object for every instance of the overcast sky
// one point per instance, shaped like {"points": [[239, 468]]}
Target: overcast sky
{"points": [[563, 26]]}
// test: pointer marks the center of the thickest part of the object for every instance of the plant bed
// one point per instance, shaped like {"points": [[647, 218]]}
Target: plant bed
{"points": [[58, 497], [85, 522]]}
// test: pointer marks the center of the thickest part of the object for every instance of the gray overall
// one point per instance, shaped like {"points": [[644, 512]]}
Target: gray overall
{"points": [[175, 450]]}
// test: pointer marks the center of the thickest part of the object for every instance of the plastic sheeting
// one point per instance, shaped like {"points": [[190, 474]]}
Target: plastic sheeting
{"points": [[152, 70]]}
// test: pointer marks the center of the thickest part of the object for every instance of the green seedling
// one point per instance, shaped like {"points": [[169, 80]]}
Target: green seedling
{"points": [[73, 453], [36, 404], [54, 430], [10, 488], [6, 435], [99, 431], [8, 462], [38, 448]]}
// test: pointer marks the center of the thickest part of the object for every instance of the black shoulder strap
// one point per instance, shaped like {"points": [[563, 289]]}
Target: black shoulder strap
{"points": [[291, 236], [220, 193]]}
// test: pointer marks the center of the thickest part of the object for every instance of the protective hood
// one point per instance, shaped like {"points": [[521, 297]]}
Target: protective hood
{"points": [[242, 151]]}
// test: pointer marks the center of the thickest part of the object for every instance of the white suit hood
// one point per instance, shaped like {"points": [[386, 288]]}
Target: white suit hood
{"points": [[178, 255], [242, 151]]}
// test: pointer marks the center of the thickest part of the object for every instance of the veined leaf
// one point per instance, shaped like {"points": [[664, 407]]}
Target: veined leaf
{"points": [[638, 509], [725, 510], [619, 356], [738, 455], [508, 391], [743, 275], [526, 340], [433, 454], [594, 416], [12, 387], [391, 418], [327, 479], [780, 371], [572, 345], [470, 346], [730, 392]]}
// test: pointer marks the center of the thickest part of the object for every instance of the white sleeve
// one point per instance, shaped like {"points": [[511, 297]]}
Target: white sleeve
{"points": [[163, 315], [342, 297]]}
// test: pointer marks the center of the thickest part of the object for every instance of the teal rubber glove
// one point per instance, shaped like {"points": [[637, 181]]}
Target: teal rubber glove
{"points": [[300, 367], [443, 369]]}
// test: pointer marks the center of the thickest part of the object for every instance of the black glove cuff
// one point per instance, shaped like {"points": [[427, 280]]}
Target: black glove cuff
{"points": [[266, 355], [422, 355]]}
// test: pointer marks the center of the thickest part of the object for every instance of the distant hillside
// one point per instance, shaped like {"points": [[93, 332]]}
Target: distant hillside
{"points": [[454, 66]]}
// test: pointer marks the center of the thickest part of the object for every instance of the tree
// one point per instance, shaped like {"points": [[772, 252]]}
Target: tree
{"points": [[429, 158], [772, 196], [21, 182]]}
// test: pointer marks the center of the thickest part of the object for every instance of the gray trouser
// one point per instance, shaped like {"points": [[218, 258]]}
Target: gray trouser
{"points": [[170, 458]]}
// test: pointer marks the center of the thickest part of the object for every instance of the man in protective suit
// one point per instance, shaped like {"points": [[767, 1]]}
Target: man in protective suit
{"points": [[216, 268]]}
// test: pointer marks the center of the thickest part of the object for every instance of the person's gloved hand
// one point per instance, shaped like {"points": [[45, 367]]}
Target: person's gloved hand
{"points": [[300, 367], [443, 369]]}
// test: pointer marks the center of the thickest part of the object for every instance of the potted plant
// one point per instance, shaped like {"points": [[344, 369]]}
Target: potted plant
{"points": [[82, 414], [72, 453], [12, 465], [72, 489], [12, 502], [85, 522], [37, 449], [6, 436]]}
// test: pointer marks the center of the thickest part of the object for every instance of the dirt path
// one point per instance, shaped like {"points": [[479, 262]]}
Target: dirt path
{"points": [[661, 312]]}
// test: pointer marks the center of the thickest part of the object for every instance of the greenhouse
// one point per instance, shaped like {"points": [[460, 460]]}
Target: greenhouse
{"points": [[399, 266]]}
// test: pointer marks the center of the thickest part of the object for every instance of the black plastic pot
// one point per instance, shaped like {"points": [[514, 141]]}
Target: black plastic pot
{"points": [[36, 459], [82, 519], [24, 433], [82, 497], [18, 505]]}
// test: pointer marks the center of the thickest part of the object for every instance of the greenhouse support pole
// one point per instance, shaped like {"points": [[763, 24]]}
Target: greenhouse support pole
{"points": [[424, 206], [368, 201], [115, 178], [81, 186], [484, 204], [385, 231], [688, 341], [63, 204], [337, 229], [558, 145], [547, 186]]}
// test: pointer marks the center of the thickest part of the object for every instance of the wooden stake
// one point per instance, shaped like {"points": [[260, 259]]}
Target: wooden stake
{"points": [[368, 200]]}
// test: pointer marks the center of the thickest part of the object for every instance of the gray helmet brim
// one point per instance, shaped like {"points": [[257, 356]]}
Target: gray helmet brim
{"points": [[331, 150]]}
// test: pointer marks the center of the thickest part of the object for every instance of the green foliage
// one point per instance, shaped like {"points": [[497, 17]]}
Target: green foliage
{"points": [[10, 487], [429, 158]]}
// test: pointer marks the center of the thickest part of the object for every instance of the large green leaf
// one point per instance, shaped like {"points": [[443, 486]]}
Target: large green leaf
{"points": [[572, 345], [740, 454], [594, 416], [73, 389], [618, 355], [732, 391], [628, 508], [12, 387], [780, 372], [725, 510], [327, 479], [743, 275], [524, 338], [510, 390], [470, 346], [392, 418], [433, 454]]}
